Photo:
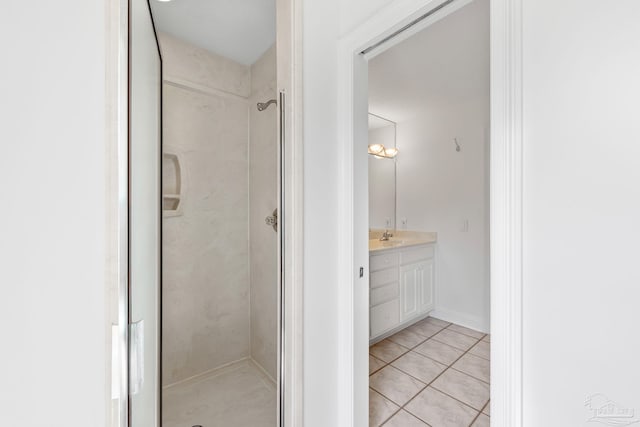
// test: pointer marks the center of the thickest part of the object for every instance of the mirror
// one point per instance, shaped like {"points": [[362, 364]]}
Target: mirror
{"points": [[382, 175]]}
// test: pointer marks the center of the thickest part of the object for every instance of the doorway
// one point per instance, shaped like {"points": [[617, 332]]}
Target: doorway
{"points": [[210, 183], [381, 32], [429, 226]]}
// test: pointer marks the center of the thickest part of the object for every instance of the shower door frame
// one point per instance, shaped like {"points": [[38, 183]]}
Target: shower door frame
{"points": [[290, 165], [506, 198]]}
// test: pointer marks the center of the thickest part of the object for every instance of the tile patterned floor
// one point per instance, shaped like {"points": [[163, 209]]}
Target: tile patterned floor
{"points": [[431, 374]]}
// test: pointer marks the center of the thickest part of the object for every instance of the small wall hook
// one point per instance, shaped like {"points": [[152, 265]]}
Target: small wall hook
{"points": [[455, 141]]}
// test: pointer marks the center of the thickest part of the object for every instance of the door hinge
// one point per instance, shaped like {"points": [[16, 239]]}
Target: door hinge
{"points": [[136, 357]]}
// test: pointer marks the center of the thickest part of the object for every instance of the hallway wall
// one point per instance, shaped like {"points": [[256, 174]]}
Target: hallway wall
{"points": [[56, 233]]}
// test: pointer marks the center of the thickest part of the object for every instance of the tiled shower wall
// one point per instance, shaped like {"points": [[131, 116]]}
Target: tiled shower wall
{"points": [[263, 243], [220, 259], [206, 253]]}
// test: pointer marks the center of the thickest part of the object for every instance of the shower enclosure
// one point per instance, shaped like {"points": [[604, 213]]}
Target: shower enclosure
{"points": [[220, 258], [205, 232]]}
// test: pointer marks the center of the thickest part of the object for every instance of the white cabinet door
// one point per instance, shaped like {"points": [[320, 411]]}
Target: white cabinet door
{"points": [[409, 285], [426, 281], [416, 289], [383, 318]]}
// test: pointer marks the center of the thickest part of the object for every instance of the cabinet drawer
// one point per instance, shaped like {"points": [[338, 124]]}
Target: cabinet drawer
{"points": [[379, 262], [410, 256], [383, 294], [383, 277], [384, 317]]}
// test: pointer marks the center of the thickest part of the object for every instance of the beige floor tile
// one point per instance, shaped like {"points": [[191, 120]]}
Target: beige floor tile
{"points": [[475, 366], [438, 351], [466, 331], [425, 329], [404, 419], [380, 409], [437, 322], [419, 366], [375, 364], [487, 409], [395, 385], [482, 421], [438, 409], [407, 338], [482, 349], [487, 338], [466, 389], [387, 350], [454, 339]]}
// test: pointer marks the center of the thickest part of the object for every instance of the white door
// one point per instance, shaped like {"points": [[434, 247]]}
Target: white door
{"points": [[144, 216]]}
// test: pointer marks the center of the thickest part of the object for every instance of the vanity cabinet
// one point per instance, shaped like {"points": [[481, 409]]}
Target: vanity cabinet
{"points": [[401, 288]]}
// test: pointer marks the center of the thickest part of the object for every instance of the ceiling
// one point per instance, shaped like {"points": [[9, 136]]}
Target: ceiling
{"points": [[241, 30], [447, 62]]}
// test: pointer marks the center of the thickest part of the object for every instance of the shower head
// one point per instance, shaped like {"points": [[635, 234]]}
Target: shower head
{"points": [[263, 105]]}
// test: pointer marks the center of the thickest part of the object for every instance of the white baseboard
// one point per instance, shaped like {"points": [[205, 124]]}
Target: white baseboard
{"points": [[472, 322]]}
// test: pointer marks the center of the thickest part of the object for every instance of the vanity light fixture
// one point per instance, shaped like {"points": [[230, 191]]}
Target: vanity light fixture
{"points": [[380, 152]]}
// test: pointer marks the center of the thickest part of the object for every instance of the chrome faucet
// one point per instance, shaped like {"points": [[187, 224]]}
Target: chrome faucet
{"points": [[385, 236]]}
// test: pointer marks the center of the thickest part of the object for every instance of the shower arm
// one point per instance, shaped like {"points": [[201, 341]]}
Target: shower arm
{"points": [[263, 105]]}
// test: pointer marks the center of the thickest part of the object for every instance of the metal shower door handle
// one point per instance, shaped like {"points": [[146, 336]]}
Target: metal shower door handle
{"points": [[272, 220]]}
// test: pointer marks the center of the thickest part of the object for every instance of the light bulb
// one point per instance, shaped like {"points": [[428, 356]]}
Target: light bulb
{"points": [[390, 152], [376, 149]]}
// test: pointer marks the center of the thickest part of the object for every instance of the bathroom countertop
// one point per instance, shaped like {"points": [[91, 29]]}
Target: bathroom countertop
{"points": [[400, 239]]}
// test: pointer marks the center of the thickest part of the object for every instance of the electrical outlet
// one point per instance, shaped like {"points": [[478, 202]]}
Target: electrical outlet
{"points": [[387, 222], [403, 221], [464, 226]]}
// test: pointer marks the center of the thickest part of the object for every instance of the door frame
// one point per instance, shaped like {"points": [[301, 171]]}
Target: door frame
{"points": [[289, 82], [506, 172]]}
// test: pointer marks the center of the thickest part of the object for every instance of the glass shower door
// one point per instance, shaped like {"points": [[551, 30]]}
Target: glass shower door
{"points": [[145, 153]]}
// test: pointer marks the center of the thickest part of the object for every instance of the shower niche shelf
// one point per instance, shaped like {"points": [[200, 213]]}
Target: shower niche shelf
{"points": [[172, 183]]}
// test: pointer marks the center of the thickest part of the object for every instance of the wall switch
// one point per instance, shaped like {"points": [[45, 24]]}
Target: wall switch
{"points": [[403, 221], [464, 226]]}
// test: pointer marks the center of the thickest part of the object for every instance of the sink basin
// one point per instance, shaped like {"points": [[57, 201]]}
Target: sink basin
{"points": [[392, 242]]}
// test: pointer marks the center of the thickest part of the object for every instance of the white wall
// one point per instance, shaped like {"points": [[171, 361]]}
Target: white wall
{"points": [[53, 317], [322, 22], [439, 189], [320, 32], [581, 207]]}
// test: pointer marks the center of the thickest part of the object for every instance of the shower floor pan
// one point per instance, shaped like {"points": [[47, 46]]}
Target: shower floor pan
{"points": [[238, 395]]}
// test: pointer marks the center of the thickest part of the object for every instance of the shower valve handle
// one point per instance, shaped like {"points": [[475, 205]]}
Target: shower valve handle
{"points": [[272, 220]]}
